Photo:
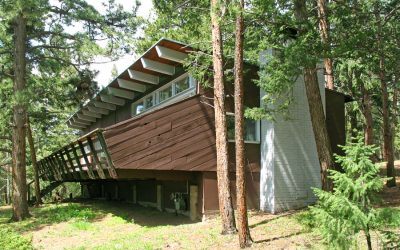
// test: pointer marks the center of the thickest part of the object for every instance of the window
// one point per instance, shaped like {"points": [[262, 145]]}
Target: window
{"points": [[182, 85], [149, 102], [137, 108], [179, 88], [251, 129], [165, 93]]}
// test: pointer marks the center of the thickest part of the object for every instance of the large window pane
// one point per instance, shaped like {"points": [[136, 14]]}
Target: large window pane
{"points": [[165, 93], [250, 129], [149, 102], [182, 85], [139, 108]]}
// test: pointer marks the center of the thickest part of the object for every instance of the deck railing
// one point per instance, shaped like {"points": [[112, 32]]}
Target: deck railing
{"points": [[85, 158]]}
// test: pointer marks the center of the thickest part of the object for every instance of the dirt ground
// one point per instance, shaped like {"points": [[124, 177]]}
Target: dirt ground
{"points": [[117, 225]]}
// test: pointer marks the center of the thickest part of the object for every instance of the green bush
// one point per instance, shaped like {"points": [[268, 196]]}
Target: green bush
{"points": [[346, 211], [10, 240]]}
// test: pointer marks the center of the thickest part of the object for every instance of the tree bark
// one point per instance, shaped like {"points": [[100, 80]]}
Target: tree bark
{"points": [[388, 152], [243, 224], [224, 190], [38, 200], [367, 113], [20, 203], [315, 105], [324, 33]]}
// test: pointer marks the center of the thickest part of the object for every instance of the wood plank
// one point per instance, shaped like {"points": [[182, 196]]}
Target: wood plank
{"points": [[177, 135], [88, 163], [110, 164], [71, 163], [96, 160]]}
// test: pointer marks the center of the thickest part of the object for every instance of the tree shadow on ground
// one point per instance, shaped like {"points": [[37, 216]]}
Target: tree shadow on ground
{"points": [[274, 218], [90, 211], [279, 237], [143, 216]]}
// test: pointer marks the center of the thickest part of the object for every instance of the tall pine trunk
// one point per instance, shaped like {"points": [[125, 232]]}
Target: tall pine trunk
{"points": [[388, 152], [315, 106], [243, 224], [224, 190], [324, 33], [34, 164], [367, 113], [20, 203]]}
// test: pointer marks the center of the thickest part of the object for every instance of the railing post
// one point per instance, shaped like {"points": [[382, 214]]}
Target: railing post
{"points": [[78, 161], [96, 159], [71, 163], [111, 168], [88, 164]]}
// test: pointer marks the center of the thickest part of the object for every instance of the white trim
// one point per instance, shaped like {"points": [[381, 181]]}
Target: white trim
{"points": [[104, 105], [143, 77], [171, 54], [158, 67], [131, 85], [121, 93], [112, 99]]}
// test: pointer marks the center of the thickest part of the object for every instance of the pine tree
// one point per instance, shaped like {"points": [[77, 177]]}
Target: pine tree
{"points": [[347, 210]]}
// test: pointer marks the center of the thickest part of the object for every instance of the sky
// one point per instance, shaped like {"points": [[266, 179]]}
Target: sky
{"points": [[104, 76]]}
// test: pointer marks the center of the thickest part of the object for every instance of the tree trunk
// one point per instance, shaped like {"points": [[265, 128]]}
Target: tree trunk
{"points": [[316, 107], [367, 113], [243, 224], [324, 33], [20, 204], [224, 190], [38, 200], [388, 152]]}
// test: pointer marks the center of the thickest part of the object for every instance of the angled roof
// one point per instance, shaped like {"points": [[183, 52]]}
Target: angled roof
{"points": [[158, 63]]}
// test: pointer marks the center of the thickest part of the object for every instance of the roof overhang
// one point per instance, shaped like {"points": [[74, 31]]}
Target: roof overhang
{"points": [[144, 74]]}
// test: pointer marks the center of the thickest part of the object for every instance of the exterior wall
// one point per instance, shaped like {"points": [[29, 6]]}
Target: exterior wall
{"points": [[289, 160], [210, 191]]}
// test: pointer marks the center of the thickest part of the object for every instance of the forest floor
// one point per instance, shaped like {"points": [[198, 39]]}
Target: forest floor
{"points": [[96, 224]]}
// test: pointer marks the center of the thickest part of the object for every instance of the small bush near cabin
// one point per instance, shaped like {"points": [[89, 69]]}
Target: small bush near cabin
{"points": [[346, 211]]}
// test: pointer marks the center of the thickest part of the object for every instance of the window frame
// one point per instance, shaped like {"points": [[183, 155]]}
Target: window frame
{"points": [[257, 130], [156, 94]]}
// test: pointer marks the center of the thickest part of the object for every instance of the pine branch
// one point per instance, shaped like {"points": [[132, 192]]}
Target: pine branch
{"points": [[5, 150], [5, 137]]}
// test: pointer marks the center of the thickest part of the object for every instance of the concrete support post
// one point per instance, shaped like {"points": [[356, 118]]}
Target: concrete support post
{"points": [[134, 198], [159, 197], [194, 190]]}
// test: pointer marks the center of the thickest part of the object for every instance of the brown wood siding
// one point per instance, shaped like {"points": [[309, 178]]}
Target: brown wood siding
{"points": [[176, 137]]}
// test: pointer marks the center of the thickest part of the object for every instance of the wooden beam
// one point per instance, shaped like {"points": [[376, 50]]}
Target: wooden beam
{"points": [[143, 77], [75, 126], [111, 168], [112, 99], [96, 159], [102, 111], [158, 67], [104, 105], [131, 85], [79, 123], [121, 93], [85, 117], [75, 119], [90, 113], [88, 163], [78, 160], [171, 54]]}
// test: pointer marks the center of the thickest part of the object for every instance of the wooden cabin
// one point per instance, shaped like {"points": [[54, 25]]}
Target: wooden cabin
{"points": [[149, 138]]}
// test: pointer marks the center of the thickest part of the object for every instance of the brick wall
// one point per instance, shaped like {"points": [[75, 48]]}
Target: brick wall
{"points": [[289, 161]]}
